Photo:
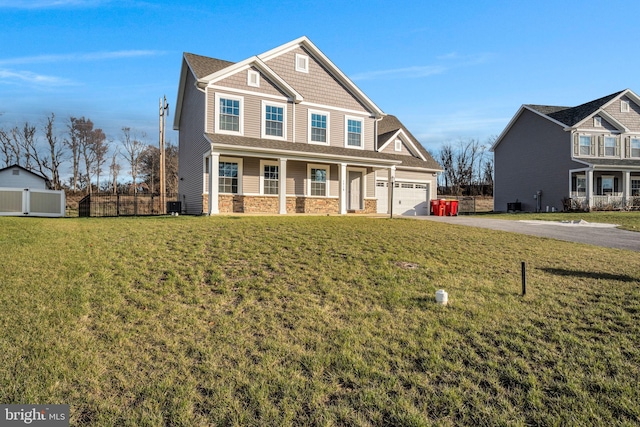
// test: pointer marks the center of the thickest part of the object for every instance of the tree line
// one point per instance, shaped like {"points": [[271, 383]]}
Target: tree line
{"points": [[468, 168], [81, 158]]}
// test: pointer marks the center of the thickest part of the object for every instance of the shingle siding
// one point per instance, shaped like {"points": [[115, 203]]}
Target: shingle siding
{"points": [[631, 119]]}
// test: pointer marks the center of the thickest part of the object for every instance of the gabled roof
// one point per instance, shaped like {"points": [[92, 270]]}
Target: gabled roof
{"points": [[389, 128], [202, 66], [13, 166], [572, 117]]}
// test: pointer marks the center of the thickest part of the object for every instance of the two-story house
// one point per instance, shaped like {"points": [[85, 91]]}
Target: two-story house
{"points": [[287, 132], [589, 154]]}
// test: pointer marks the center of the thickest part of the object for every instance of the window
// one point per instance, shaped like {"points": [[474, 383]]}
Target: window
{"points": [[353, 132], [635, 147], [229, 114], [398, 145], [635, 187], [318, 180], [270, 176], [585, 145], [624, 106], [318, 125], [228, 177], [607, 185], [302, 63], [597, 122], [16, 172], [273, 120], [253, 78], [610, 146]]}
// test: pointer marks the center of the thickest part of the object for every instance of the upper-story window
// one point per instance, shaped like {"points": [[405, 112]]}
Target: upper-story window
{"points": [[353, 135], [398, 145], [318, 127], [229, 114], [273, 120], [585, 145], [624, 106], [634, 147], [610, 146], [597, 122], [302, 63], [253, 78]]}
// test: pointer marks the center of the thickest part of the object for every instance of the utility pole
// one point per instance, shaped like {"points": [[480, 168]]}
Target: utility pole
{"points": [[164, 112]]}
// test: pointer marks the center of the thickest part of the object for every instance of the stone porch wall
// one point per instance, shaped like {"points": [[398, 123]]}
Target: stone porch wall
{"points": [[228, 203]]}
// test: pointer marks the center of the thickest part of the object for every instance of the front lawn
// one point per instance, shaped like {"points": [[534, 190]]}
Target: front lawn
{"points": [[314, 321]]}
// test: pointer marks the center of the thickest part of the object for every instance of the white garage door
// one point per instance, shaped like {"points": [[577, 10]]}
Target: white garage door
{"points": [[408, 198]]}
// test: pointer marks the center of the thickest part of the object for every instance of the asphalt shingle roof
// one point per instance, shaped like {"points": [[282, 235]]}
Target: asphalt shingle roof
{"points": [[202, 66], [389, 125], [573, 115]]}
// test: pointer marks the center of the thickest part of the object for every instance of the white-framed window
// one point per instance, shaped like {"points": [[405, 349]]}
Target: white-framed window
{"points": [[597, 122], [274, 120], [318, 178], [354, 132], [269, 177], [318, 127], [607, 185], [302, 63], [253, 78], [398, 145], [610, 146], [624, 106], [635, 187], [229, 114], [585, 145], [634, 147], [230, 175]]}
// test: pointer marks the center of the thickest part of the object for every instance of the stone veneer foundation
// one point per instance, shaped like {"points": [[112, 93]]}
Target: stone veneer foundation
{"points": [[228, 203]]}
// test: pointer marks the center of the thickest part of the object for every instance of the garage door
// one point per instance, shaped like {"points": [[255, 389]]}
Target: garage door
{"points": [[408, 198]]}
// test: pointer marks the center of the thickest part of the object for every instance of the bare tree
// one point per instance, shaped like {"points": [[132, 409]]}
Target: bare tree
{"points": [[53, 162], [463, 166], [75, 127], [133, 147], [6, 148], [114, 171], [150, 167]]}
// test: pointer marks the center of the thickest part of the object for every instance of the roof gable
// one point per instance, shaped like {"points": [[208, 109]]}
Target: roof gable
{"points": [[389, 128]]}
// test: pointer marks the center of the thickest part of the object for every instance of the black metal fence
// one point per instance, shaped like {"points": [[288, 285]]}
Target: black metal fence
{"points": [[109, 204]]}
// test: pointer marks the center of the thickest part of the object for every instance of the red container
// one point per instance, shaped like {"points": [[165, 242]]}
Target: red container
{"points": [[452, 208], [435, 208]]}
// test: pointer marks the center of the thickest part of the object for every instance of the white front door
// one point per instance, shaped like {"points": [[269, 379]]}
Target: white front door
{"points": [[355, 190]]}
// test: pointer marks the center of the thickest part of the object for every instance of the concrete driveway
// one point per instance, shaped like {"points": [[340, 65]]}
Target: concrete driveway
{"points": [[606, 235]]}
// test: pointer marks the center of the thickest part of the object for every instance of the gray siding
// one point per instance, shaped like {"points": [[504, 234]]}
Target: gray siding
{"points": [[631, 119], [534, 155], [23, 180], [588, 125], [191, 145]]}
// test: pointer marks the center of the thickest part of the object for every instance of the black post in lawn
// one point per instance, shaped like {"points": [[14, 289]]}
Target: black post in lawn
{"points": [[524, 278]]}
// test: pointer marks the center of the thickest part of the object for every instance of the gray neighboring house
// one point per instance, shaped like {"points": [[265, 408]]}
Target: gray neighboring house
{"points": [[287, 132], [589, 154], [16, 176]]}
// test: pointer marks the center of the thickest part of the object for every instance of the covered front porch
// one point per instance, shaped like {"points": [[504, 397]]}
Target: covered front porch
{"points": [[605, 188]]}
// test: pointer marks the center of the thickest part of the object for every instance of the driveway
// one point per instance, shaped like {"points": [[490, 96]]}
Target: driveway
{"points": [[606, 235]]}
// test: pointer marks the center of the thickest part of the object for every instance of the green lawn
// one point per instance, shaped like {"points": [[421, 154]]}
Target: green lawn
{"points": [[314, 321], [626, 220]]}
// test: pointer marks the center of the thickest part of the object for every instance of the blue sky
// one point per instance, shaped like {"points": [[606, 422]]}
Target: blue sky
{"points": [[447, 69]]}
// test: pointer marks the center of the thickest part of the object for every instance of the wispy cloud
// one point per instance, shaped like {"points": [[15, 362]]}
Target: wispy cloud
{"points": [[10, 76], [48, 4], [79, 57], [445, 63]]}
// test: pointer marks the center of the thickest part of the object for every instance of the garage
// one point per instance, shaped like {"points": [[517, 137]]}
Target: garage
{"points": [[410, 198]]}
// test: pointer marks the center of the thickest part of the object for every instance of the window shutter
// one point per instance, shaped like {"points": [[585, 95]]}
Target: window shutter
{"points": [[600, 145], [617, 154], [627, 147], [593, 146], [576, 147], [615, 185], [599, 185]]}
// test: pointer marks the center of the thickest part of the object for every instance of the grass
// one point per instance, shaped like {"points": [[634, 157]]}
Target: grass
{"points": [[314, 321], [626, 220]]}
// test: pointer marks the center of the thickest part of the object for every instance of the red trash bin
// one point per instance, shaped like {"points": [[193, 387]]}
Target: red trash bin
{"points": [[434, 207], [452, 208]]}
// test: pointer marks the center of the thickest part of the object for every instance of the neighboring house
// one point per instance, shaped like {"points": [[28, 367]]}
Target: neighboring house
{"points": [[15, 176], [287, 132], [589, 153]]}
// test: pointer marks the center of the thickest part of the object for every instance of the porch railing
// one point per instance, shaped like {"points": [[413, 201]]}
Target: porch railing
{"points": [[604, 202]]}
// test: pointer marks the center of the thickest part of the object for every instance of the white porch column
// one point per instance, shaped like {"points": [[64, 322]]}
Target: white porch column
{"points": [[391, 180], [343, 188], [214, 165], [282, 186], [626, 187], [589, 189]]}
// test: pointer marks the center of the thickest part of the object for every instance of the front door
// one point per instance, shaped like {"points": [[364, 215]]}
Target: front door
{"points": [[355, 190]]}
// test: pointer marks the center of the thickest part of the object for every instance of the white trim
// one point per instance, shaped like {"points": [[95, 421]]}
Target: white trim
{"points": [[249, 92], [264, 163], [263, 120], [624, 106], [239, 161], [601, 112], [597, 122], [346, 132], [331, 107], [214, 164], [406, 140], [327, 182], [322, 113], [205, 176], [305, 60], [216, 118], [397, 144], [253, 78], [363, 184]]}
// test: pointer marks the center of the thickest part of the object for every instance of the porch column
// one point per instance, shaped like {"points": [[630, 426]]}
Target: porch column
{"points": [[282, 186], [391, 179], [343, 188], [214, 165], [589, 189], [626, 187]]}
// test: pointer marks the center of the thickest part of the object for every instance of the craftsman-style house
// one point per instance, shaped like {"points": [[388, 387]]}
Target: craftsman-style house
{"points": [[585, 157], [287, 132]]}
